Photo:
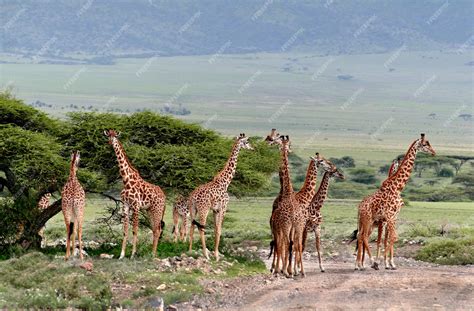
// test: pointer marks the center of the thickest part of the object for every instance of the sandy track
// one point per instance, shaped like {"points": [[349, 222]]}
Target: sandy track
{"points": [[415, 285]]}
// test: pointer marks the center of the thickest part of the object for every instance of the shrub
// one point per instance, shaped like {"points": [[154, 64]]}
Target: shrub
{"points": [[445, 172], [363, 175], [448, 252]]}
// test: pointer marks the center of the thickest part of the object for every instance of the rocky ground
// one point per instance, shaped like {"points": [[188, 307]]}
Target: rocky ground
{"points": [[414, 285]]}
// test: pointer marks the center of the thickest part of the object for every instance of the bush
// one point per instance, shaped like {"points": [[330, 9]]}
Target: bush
{"points": [[345, 161], [445, 172], [448, 252], [363, 175]]}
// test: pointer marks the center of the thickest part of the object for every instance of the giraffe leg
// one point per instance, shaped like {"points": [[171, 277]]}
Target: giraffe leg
{"points": [[386, 249], [191, 227], [126, 210], [79, 237], [175, 225], [318, 247], [300, 254], [218, 231], [73, 236], [68, 239], [135, 220], [367, 247], [393, 239], [379, 239], [202, 221], [184, 228], [360, 243], [277, 254], [155, 217]]}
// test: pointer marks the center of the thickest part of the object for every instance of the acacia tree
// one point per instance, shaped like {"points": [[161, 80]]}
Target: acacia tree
{"points": [[35, 153]]}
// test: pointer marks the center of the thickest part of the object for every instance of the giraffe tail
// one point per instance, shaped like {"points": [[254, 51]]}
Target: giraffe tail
{"points": [[162, 229], [198, 225], [71, 229], [272, 245], [290, 251], [353, 236]]}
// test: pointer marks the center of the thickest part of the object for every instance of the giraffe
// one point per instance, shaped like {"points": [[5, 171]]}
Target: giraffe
{"points": [[43, 204], [137, 194], [385, 204], [380, 225], [285, 225], [213, 196], [72, 205], [180, 212], [313, 215], [273, 137]]}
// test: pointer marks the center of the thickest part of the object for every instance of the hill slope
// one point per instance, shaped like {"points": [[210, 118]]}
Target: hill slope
{"points": [[182, 27]]}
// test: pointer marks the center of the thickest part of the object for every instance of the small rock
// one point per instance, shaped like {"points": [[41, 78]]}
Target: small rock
{"points": [[253, 248], [161, 287], [211, 290], [268, 282], [142, 287], [156, 303], [172, 308], [106, 256], [88, 266]]}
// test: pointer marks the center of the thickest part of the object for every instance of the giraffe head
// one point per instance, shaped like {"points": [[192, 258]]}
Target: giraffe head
{"points": [[337, 173], [284, 142], [273, 138], [424, 145], [243, 142], [112, 135], [323, 162]]}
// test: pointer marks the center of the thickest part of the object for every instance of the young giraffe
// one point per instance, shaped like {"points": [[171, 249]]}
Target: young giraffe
{"points": [[72, 205], [213, 196], [43, 204], [137, 194], [313, 215], [385, 204], [180, 212]]}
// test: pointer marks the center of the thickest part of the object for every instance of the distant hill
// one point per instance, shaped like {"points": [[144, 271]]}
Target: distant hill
{"points": [[179, 27]]}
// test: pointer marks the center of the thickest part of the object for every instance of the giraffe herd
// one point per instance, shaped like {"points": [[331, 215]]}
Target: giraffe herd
{"points": [[294, 214]]}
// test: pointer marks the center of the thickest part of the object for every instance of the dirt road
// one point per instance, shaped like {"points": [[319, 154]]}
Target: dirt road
{"points": [[415, 285]]}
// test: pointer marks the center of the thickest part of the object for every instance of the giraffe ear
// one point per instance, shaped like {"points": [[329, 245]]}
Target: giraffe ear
{"points": [[422, 136], [106, 133], [118, 134]]}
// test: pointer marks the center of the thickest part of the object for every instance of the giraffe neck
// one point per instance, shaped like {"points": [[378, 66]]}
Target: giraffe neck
{"points": [[392, 169], [127, 171], [73, 168], [287, 187], [322, 193], [225, 176], [399, 179], [309, 187]]}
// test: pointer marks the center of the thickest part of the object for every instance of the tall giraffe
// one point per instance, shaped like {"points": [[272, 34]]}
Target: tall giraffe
{"points": [[283, 224], [137, 194], [385, 204], [213, 196], [381, 224], [313, 215], [180, 213], [72, 205]]}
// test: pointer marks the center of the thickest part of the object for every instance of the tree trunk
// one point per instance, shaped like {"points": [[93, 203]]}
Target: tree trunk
{"points": [[30, 237]]}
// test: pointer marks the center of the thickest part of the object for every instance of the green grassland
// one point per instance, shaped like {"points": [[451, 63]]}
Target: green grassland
{"points": [[383, 110]]}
